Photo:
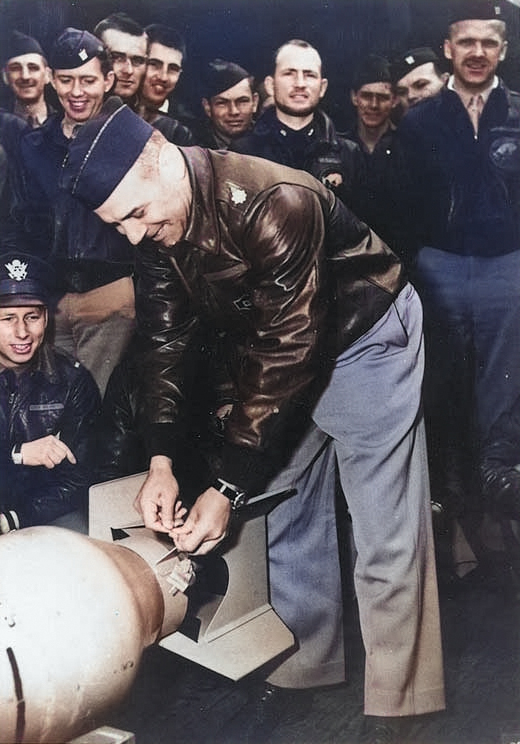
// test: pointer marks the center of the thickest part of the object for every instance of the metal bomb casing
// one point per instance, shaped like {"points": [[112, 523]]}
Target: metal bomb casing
{"points": [[75, 616]]}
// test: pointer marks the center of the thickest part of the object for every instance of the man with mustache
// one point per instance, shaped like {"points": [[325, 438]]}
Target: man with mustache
{"points": [[463, 149], [26, 72]]}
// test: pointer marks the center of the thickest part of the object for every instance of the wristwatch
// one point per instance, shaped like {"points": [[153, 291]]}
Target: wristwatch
{"points": [[237, 498], [16, 454]]}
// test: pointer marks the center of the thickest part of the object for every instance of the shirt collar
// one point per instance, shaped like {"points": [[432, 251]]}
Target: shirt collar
{"points": [[466, 97]]}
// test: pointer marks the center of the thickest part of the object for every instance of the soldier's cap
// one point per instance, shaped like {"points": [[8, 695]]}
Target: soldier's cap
{"points": [[477, 10], [409, 60], [103, 151], [220, 76], [373, 69], [18, 44], [73, 48], [25, 280]]}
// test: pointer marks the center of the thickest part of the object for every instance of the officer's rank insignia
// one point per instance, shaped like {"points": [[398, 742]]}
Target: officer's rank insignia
{"points": [[238, 195]]}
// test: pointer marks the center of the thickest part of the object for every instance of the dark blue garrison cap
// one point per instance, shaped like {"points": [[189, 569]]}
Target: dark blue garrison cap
{"points": [[103, 152], [221, 75], [74, 48], [373, 69], [25, 280], [477, 10], [18, 44], [409, 60]]}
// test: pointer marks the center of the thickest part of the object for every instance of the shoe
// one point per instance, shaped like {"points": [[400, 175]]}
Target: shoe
{"points": [[501, 490], [269, 707], [382, 730]]}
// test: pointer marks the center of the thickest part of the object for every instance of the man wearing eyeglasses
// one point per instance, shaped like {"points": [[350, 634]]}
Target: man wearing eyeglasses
{"points": [[128, 45]]}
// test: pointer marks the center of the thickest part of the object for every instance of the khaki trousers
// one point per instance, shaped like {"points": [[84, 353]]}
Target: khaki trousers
{"points": [[95, 327]]}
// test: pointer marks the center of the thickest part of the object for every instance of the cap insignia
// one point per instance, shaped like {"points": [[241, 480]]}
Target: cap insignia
{"points": [[83, 54], [409, 60], [16, 270]]}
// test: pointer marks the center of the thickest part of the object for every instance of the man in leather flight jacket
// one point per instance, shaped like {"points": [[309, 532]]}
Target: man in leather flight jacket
{"points": [[323, 345], [48, 404]]}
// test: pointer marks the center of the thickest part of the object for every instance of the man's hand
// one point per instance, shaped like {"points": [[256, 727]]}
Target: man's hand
{"points": [[333, 180], [157, 501], [48, 451], [206, 524]]}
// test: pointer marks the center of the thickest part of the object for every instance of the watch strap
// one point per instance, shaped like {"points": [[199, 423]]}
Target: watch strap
{"points": [[16, 454], [236, 496]]}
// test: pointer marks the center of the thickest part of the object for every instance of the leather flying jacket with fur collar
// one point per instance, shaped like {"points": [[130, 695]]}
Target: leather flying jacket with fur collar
{"points": [[284, 274]]}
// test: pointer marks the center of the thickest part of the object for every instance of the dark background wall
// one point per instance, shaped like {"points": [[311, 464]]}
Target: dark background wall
{"points": [[247, 31]]}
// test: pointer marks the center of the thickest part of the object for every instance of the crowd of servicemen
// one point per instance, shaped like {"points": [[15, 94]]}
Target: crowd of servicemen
{"points": [[431, 165]]}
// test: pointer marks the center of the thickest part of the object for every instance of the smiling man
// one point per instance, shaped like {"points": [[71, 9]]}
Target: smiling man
{"points": [[81, 75], [128, 45], [266, 262], [463, 150], [379, 195], [229, 103], [295, 131], [163, 68], [48, 404], [26, 72], [94, 319]]}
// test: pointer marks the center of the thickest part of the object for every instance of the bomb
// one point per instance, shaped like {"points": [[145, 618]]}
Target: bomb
{"points": [[77, 612], [75, 617]]}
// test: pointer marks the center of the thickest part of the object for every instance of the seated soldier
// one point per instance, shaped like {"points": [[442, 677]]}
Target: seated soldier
{"points": [[48, 405]]}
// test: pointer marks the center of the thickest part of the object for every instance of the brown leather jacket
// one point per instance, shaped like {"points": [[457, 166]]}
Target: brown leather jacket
{"points": [[284, 276]]}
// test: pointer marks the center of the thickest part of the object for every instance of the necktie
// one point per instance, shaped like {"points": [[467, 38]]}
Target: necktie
{"points": [[475, 106]]}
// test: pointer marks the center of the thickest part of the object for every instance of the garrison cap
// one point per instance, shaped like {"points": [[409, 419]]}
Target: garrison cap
{"points": [[477, 10], [25, 280], [103, 151], [404, 63], [220, 76], [17, 44], [73, 48], [373, 69]]}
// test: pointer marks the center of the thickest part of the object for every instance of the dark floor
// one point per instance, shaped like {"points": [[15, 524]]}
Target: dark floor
{"points": [[175, 701]]}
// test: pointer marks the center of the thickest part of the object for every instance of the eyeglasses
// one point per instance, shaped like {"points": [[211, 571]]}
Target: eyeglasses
{"points": [[136, 60]]}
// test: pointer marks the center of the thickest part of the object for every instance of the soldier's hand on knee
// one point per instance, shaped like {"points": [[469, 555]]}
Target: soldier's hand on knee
{"points": [[48, 451]]}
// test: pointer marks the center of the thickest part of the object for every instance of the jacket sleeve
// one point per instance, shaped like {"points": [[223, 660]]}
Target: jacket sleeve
{"points": [[46, 494], [168, 320], [283, 242], [119, 448]]}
